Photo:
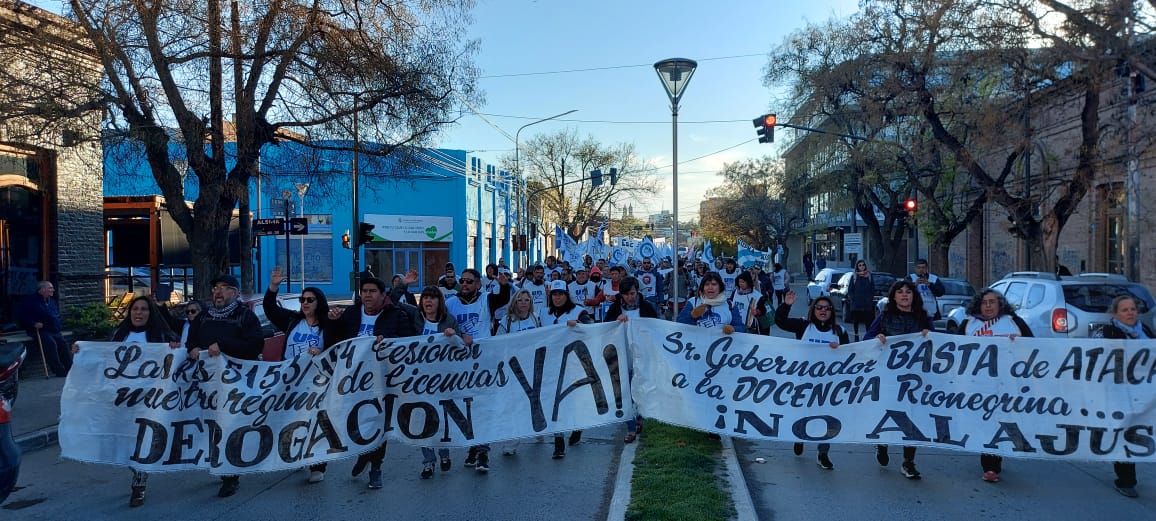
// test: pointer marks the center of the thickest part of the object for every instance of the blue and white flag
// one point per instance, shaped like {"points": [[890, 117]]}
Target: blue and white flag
{"points": [[619, 256], [667, 252], [706, 253], [647, 250], [747, 255]]}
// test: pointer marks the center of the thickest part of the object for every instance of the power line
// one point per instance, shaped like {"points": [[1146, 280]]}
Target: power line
{"points": [[608, 68], [614, 122]]}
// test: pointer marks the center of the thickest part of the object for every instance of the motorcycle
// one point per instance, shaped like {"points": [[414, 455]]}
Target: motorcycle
{"points": [[11, 356]]}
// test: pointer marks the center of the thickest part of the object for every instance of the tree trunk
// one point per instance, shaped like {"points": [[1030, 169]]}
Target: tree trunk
{"points": [[248, 280]]}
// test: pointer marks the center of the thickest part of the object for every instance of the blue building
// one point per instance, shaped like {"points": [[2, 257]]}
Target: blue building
{"points": [[428, 207]]}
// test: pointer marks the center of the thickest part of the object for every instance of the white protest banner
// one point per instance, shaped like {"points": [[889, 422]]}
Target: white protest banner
{"points": [[1080, 399], [152, 408]]}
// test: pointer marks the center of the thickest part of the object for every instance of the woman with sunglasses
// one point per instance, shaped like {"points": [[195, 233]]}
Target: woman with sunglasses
{"points": [[818, 328], [192, 310], [904, 314], [306, 331], [145, 324]]}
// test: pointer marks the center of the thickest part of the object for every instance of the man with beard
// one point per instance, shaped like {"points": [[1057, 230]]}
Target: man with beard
{"points": [[473, 310], [376, 316], [536, 285], [583, 291], [230, 327]]}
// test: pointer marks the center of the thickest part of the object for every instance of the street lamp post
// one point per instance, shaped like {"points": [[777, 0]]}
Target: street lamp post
{"points": [[301, 189], [518, 167], [675, 74]]}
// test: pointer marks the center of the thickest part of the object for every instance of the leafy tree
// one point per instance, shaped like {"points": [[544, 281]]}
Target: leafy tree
{"points": [[752, 205], [285, 70], [553, 159]]}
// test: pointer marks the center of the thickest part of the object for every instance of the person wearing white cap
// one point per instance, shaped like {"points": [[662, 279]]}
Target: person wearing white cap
{"points": [[562, 310]]}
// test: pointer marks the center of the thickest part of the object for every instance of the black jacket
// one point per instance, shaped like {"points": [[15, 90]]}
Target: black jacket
{"points": [[1111, 331], [799, 326], [238, 334], [645, 310]]}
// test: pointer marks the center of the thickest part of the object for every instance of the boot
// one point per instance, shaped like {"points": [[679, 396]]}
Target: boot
{"points": [[137, 497]]}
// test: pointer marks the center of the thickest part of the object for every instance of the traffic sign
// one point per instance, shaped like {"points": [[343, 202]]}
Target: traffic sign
{"points": [[298, 226], [277, 206], [269, 226]]}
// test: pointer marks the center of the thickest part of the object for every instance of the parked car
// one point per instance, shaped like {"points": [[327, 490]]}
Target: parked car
{"points": [[1065, 307], [274, 338], [883, 282], [824, 281]]}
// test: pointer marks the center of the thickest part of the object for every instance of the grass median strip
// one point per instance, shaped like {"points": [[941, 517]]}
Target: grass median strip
{"points": [[676, 477]]}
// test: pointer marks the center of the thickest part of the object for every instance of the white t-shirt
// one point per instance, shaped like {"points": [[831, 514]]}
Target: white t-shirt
{"points": [[136, 337], [1000, 326], [715, 316], [779, 279], [729, 279], [489, 285], [514, 326], [647, 283], [930, 304], [814, 336], [473, 318], [745, 304], [580, 292], [430, 328], [549, 319], [537, 291], [301, 339], [367, 323]]}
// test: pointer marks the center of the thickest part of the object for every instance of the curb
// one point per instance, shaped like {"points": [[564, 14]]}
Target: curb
{"points": [[740, 493], [622, 481], [37, 440]]}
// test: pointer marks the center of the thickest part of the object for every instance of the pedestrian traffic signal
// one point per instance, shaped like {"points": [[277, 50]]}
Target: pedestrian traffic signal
{"points": [[596, 178], [910, 205], [345, 240], [365, 234], [765, 126], [613, 176]]}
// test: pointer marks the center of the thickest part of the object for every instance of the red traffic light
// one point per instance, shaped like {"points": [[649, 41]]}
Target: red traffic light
{"points": [[910, 205], [769, 120]]}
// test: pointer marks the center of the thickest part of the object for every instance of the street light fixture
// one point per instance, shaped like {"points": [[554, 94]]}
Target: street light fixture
{"points": [[301, 189], [518, 168], [675, 74]]}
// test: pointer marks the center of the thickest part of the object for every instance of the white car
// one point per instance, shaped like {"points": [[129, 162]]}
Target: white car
{"points": [[824, 281]]}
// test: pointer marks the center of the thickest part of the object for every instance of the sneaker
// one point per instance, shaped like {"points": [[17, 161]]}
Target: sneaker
{"points": [[483, 465], [375, 479], [558, 455], [991, 476], [229, 486], [137, 497], [909, 471], [798, 449], [471, 457], [1128, 491], [825, 462], [316, 476], [427, 471], [446, 464], [881, 455]]}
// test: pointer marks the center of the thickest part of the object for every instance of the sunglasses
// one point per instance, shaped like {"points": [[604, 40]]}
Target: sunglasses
{"points": [[304, 300], [467, 281], [822, 307], [192, 311]]}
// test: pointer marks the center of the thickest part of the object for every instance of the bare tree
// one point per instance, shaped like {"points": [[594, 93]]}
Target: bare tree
{"points": [[282, 70], [753, 204], [557, 162]]}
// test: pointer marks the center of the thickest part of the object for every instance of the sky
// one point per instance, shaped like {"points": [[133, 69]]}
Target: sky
{"points": [[610, 47], [524, 43]]}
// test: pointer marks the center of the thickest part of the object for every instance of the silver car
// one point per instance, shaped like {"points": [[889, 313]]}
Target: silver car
{"points": [[1064, 306], [957, 294], [824, 281]]}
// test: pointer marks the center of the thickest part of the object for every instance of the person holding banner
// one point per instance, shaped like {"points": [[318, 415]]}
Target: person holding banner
{"points": [[145, 324], [710, 309], [562, 310], [748, 302], [376, 316], [432, 318], [904, 314], [1125, 325], [226, 327], [520, 315], [305, 331], [818, 328], [990, 314], [628, 306]]}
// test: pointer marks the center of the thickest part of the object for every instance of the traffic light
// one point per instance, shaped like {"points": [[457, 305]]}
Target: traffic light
{"points": [[345, 240], [613, 176], [910, 205], [596, 178], [766, 128], [365, 234]]}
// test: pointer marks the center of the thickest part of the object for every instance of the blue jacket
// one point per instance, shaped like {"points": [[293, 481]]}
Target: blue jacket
{"points": [[33, 309]]}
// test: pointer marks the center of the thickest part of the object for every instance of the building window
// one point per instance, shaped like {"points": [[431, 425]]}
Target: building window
{"points": [[318, 252], [428, 258], [1111, 217]]}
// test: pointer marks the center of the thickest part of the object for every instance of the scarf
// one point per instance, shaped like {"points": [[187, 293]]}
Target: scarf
{"points": [[224, 312], [1136, 331], [717, 301]]}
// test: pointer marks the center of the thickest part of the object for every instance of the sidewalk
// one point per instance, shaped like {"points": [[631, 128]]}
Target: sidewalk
{"points": [[36, 411]]}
